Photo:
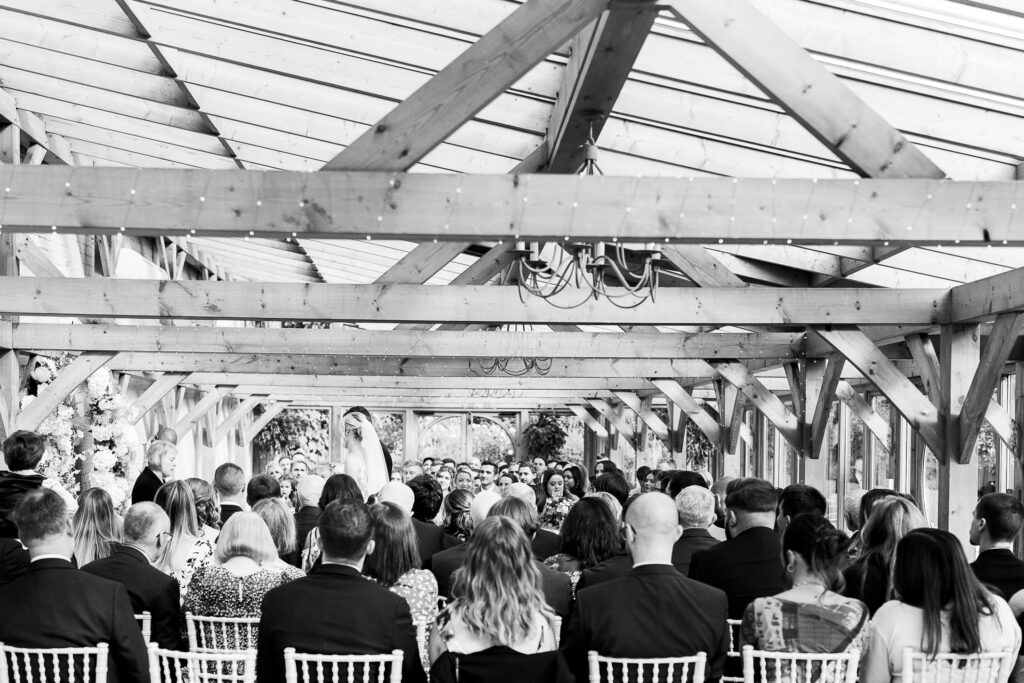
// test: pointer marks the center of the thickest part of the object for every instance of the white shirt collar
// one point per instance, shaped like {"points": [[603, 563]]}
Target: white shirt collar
{"points": [[51, 556]]}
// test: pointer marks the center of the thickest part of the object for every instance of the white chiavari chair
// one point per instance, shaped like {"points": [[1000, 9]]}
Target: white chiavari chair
{"points": [[145, 624], [760, 666], [733, 655], [557, 625], [984, 667], [422, 636], [171, 666], [207, 634], [310, 668], [613, 669], [54, 665]]}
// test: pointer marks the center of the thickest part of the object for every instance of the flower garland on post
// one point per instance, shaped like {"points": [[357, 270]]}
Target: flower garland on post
{"points": [[114, 455], [62, 429]]}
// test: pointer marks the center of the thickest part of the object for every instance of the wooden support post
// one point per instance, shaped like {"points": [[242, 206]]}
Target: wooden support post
{"points": [[9, 389], [643, 410], [337, 434], [826, 390], [272, 411], [233, 418], [614, 417], [411, 429], [590, 421], [730, 409], [923, 351], [200, 409], [58, 390], [675, 392], [958, 482], [163, 385], [765, 401], [864, 412]]}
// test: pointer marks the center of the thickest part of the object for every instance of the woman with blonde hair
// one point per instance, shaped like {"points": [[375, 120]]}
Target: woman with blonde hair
{"points": [[97, 528], [282, 531], [496, 597], [187, 550], [869, 578]]}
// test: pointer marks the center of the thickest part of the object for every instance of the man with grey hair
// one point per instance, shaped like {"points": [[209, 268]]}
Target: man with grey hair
{"points": [[696, 506], [308, 492], [147, 529], [161, 458]]}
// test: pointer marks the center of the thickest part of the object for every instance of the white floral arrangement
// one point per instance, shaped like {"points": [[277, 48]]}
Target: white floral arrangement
{"points": [[62, 428], [115, 460]]}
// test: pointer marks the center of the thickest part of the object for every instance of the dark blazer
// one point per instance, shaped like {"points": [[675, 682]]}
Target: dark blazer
{"points": [[653, 612], [305, 520], [228, 509], [334, 610], [692, 541], [617, 567], [145, 487], [56, 605], [13, 488], [149, 589], [747, 566], [556, 585], [545, 544], [1000, 569], [430, 538], [14, 560]]}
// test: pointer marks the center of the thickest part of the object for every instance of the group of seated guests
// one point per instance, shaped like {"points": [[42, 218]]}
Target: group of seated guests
{"points": [[639, 575]]}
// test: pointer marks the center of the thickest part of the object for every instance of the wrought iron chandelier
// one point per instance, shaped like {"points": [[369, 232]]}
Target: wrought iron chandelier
{"points": [[515, 366], [587, 266]]}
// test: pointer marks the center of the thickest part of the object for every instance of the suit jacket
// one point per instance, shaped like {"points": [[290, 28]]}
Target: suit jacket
{"points": [[692, 541], [146, 486], [653, 612], [14, 560], [545, 544], [556, 585], [1000, 569], [55, 605], [13, 488], [149, 589], [228, 509], [617, 567], [305, 520], [747, 566], [334, 610], [430, 538]]}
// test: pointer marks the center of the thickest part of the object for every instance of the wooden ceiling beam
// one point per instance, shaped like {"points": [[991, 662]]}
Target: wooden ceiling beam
{"points": [[350, 341], [326, 383], [195, 299]]}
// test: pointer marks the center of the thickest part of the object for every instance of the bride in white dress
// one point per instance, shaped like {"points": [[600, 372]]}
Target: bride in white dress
{"points": [[364, 458]]}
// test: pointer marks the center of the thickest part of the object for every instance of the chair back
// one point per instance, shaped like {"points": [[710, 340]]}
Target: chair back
{"points": [[310, 668], [171, 666], [145, 624], [762, 666], [207, 634], [556, 624], [54, 665], [501, 664], [733, 658], [614, 669], [984, 667], [422, 636]]}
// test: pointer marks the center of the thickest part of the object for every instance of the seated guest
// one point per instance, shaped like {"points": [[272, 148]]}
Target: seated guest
{"points": [[810, 616], [496, 596], [304, 614], [576, 481], [544, 543], [997, 521], [207, 510], [746, 566], [458, 522], [869, 578], [235, 585], [640, 615], [228, 482], [603, 467], [868, 500], [147, 528], [282, 531], [557, 501], [941, 607], [97, 529], [337, 487], [798, 498], [14, 560], [23, 452], [590, 535], [307, 495], [395, 561], [427, 499], [444, 563], [161, 459], [611, 501], [696, 506], [614, 483], [187, 551], [54, 605], [261, 487], [682, 479]]}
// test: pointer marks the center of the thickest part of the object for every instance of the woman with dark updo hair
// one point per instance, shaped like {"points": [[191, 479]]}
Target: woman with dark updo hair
{"points": [[811, 616]]}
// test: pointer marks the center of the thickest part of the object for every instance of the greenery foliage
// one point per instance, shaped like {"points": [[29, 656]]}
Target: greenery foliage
{"points": [[297, 429], [545, 437]]}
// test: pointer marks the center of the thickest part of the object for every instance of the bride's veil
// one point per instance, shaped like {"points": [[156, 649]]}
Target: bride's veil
{"points": [[374, 469]]}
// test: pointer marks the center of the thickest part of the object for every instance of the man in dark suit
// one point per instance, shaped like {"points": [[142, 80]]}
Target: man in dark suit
{"points": [[55, 605], [427, 498], [696, 506], [14, 560], [261, 487], [161, 457], [146, 532], [335, 610], [997, 521], [383, 447], [228, 482], [308, 492], [749, 564], [796, 499], [653, 612]]}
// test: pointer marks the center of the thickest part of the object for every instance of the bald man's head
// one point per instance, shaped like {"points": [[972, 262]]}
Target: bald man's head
{"points": [[653, 528]]}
